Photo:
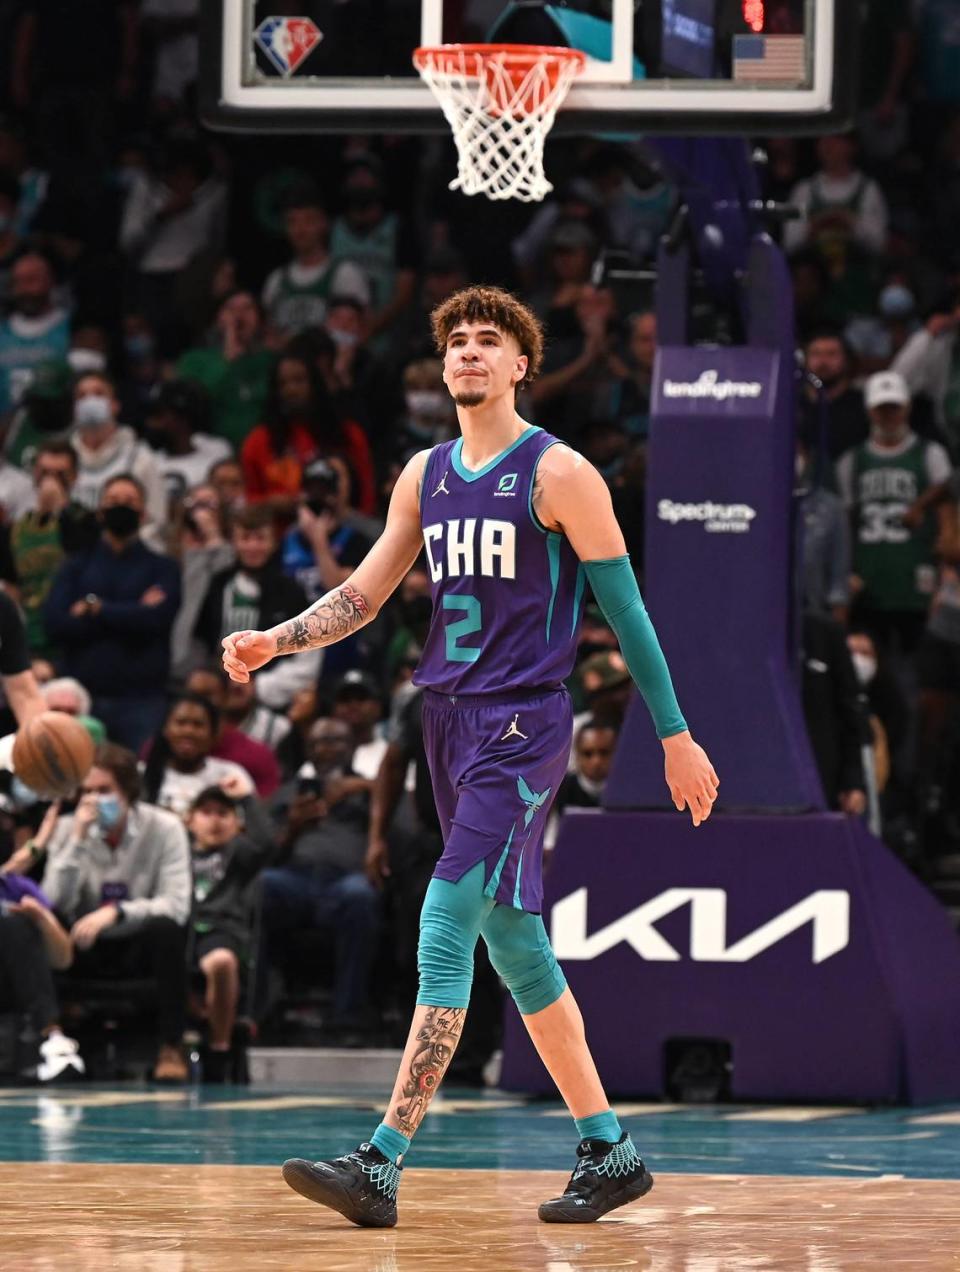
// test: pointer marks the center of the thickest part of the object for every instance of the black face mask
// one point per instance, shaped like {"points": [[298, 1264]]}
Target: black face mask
{"points": [[121, 520]]}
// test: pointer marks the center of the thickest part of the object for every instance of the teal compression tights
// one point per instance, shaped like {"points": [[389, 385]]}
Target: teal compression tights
{"points": [[454, 915]]}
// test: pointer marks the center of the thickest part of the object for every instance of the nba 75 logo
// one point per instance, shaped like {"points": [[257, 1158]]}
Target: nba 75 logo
{"points": [[506, 484], [287, 41]]}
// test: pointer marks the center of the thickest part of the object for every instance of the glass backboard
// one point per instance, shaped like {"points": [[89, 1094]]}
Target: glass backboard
{"points": [[694, 66]]}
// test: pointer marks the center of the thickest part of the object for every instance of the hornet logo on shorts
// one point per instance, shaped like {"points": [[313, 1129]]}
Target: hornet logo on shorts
{"points": [[533, 801], [287, 42]]}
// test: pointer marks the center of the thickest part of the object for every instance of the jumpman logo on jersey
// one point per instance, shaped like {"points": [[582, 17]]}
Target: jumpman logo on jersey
{"points": [[442, 487], [513, 731], [533, 801]]}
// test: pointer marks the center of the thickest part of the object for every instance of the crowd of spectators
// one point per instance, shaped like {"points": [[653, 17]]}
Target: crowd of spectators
{"points": [[214, 361]]}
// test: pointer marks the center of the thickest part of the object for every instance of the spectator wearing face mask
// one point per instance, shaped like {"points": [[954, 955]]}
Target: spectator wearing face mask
{"points": [[143, 368], [111, 610], [36, 331], [235, 369], [888, 714], [184, 451], [105, 448], [877, 338], [89, 349], [118, 871], [429, 416], [894, 563], [322, 549]]}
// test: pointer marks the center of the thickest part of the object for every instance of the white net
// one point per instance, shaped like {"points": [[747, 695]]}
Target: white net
{"points": [[500, 104]]}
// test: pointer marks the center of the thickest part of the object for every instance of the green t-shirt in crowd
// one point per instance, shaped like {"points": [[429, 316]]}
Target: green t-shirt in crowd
{"points": [[238, 389], [895, 562]]}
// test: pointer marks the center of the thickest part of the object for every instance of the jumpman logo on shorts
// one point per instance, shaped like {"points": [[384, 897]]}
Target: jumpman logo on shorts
{"points": [[442, 487], [513, 731]]}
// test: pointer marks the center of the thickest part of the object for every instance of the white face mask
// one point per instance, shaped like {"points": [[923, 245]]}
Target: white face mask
{"points": [[85, 361], [432, 402], [865, 665], [93, 411]]}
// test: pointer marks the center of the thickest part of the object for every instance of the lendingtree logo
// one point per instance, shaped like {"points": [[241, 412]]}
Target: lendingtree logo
{"points": [[716, 518], [709, 385]]}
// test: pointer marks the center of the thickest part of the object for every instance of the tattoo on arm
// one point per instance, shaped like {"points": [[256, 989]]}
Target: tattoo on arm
{"points": [[331, 618], [436, 1042]]}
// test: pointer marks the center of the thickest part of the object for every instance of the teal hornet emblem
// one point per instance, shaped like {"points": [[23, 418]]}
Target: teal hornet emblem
{"points": [[533, 801]]}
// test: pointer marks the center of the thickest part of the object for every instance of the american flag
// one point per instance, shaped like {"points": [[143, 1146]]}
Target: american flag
{"points": [[770, 58]]}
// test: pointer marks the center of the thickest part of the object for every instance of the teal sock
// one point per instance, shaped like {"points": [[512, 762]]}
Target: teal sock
{"points": [[390, 1142], [601, 1126]]}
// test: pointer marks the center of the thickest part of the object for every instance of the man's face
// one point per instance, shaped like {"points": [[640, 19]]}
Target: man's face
{"points": [[890, 421], [481, 364], [213, 824], [358, 710], [31, 285], [329, 745], [595, 753], [241, 313], [59, 467], [827, 360], [254, 548], [307, 229], [122, 494]]}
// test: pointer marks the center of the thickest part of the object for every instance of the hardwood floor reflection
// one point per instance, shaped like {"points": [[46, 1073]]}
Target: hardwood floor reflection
{"points": [[232, 1218]]}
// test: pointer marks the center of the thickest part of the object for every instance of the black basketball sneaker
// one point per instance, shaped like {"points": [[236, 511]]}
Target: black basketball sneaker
{"points": [[606, 1176], [362, 1186]]}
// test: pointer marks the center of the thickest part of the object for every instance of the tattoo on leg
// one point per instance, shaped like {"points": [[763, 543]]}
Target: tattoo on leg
{"points": [[437, 1041], [334, 616]]}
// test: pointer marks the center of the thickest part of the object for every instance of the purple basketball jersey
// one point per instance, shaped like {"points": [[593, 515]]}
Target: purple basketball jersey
{"points": [[507, 593]]}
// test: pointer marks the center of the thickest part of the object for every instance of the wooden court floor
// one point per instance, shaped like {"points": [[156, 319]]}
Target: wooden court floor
{"points": [[227, 1218]]}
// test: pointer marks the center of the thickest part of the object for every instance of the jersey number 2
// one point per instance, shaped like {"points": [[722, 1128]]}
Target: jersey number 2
{"points": [[466, 626]]}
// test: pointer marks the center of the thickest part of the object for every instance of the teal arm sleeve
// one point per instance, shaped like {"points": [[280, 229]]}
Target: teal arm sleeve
{"points": [[617, 594]]}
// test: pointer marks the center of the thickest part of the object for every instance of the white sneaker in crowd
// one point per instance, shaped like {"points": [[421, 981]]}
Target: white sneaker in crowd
{"points": [[59, 1057]]}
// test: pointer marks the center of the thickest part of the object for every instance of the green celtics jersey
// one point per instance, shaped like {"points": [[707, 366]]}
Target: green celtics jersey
{"points": [[895, 563]]}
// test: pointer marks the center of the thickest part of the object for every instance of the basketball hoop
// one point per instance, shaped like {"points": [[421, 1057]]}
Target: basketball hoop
{"points": [[500, 100]]}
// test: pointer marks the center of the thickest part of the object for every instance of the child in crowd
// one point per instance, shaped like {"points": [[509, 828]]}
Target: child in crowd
{"points": [[225, 861]]}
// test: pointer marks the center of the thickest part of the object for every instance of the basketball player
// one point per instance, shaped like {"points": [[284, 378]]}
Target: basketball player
{"points": [[513, 523]]}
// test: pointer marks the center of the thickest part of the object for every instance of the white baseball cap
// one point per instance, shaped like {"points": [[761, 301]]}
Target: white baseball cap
{"points": [[886, 388]]}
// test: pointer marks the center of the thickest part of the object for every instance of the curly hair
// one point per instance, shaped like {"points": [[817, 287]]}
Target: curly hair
{"points": [[501, 310]]}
